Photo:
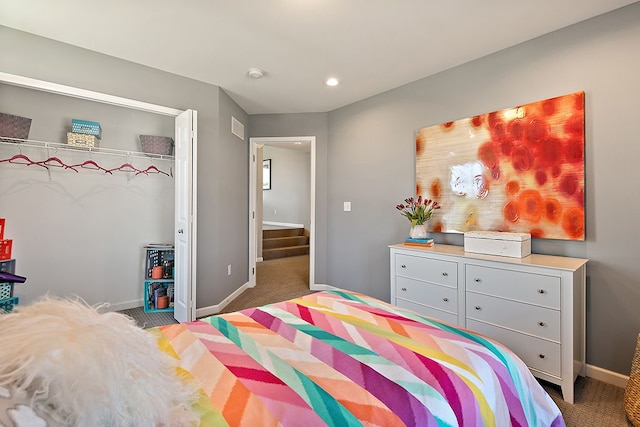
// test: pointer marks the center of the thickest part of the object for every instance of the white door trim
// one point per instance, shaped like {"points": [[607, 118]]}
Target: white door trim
{"points": [[253, 145]]}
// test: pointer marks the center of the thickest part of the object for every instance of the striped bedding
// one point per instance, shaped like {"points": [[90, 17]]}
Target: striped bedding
{"points": [[345, 359]]}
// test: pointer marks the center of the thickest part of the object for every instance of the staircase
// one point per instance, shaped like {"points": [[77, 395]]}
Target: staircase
{"points": [[284, 242]]}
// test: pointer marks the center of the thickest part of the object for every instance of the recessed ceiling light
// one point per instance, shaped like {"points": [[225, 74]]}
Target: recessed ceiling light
{"points": [[332, 81]]}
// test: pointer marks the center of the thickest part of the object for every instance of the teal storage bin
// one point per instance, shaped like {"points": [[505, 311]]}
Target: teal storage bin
{"points": [[6, 305], [86, 127]]}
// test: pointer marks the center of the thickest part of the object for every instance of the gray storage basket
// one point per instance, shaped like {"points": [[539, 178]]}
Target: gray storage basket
{"points": [[151, 144], [15, 127]]}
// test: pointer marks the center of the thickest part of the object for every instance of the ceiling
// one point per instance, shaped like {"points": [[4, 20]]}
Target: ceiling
{"points": [[371, 46]]}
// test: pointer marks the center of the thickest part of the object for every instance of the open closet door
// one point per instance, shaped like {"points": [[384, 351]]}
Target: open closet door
{"points": [[185, 216]]}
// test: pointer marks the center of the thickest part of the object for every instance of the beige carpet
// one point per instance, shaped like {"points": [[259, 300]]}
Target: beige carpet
{"points": [[276, 280], [596, 404], [149, 320]]}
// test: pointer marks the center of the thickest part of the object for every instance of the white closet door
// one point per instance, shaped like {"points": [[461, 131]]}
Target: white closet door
{"points": [[185, 211]]}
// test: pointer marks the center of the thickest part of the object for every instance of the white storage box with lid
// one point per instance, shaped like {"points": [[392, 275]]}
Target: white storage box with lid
{"points": [[515, 245]]}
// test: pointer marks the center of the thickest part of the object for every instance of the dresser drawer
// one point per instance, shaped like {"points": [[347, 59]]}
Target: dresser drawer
{"points": [[430, 270], [424, 310], [436, 296], [530, 288], [533, 320], [536, 353]]}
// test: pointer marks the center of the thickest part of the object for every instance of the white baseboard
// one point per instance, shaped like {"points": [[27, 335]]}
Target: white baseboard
{"points": [[217, 308], [125, 305], [322, 287], [607, 376]]}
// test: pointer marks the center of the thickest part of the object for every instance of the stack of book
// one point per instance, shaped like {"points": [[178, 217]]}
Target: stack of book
{"points": [[426, 242]]}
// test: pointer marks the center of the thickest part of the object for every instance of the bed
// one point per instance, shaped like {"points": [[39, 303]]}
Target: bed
{"points": [[344, 359]]}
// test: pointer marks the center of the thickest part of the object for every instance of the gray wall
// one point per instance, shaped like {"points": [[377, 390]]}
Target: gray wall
{"points": [[305, 124], [371, 163], [222, 202], [288, 199], [227, 170]]}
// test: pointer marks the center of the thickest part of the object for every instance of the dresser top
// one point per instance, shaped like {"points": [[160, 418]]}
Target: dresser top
{"points": [[553, 261]]}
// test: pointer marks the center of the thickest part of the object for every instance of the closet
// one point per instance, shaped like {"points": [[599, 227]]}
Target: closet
{"points": [[81, 217]]}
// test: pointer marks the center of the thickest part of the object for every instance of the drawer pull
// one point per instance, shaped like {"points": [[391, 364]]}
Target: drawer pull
{"points": [[404, 289], [541, 356], [542, 291], [478, 280], [478, 307], [445, 299], [403, 266], [445, 274], [542, 324]]}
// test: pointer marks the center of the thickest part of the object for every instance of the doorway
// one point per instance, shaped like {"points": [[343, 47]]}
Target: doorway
{"points": [[305, 144]]}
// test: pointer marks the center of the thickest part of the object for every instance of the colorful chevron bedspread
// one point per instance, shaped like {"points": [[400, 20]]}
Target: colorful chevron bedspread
{"points": [[345, 359]]}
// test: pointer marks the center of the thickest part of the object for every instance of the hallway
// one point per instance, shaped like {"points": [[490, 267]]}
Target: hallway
{"points": [[277, 279]]}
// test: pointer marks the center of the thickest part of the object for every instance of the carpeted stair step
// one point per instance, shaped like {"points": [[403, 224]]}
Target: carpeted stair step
{"points": [[285, 252], [282, 232], [283, 242]]}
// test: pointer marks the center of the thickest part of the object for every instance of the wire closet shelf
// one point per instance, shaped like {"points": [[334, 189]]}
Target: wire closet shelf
{"points": [[17, 143]]}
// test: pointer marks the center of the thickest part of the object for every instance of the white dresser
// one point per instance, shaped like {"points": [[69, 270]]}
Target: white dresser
{"points": [[534, 305]]}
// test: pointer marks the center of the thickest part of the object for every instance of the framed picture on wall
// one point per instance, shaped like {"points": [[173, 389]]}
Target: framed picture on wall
{"points": [[266, 174], [520, 169]]}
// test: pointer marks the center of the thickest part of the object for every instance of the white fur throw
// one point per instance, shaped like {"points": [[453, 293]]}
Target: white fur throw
{"points": [[81, 367]]}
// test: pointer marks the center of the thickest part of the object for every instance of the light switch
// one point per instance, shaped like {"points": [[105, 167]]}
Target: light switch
{"points": [[347, 206]]}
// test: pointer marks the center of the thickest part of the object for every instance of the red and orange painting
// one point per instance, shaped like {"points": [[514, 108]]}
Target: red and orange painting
{"points": [[519, 169]]}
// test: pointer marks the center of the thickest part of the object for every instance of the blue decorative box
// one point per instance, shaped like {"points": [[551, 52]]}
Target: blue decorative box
{"points": [[86, 127]]}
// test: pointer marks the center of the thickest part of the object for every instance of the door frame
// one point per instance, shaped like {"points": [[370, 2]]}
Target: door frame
{"points": [[253, 191]]}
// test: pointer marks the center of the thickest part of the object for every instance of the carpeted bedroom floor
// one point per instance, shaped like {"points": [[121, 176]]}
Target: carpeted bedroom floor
{"points": [[276, 280], [597, 404]]}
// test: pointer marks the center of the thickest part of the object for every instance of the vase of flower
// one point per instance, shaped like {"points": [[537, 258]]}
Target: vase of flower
{"points": [[418, 212], [418, 231]]}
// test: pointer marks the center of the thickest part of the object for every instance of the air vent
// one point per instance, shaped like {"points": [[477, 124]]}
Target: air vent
{"points": [[237, 128]]}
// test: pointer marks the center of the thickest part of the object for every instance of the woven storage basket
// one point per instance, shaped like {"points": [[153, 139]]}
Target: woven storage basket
{"points": [[82, 140], [632, 391], [14, 127], [152, 144]]}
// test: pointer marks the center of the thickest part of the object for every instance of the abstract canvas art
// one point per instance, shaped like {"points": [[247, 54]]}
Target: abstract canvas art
{"points": [[519, 169]]}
